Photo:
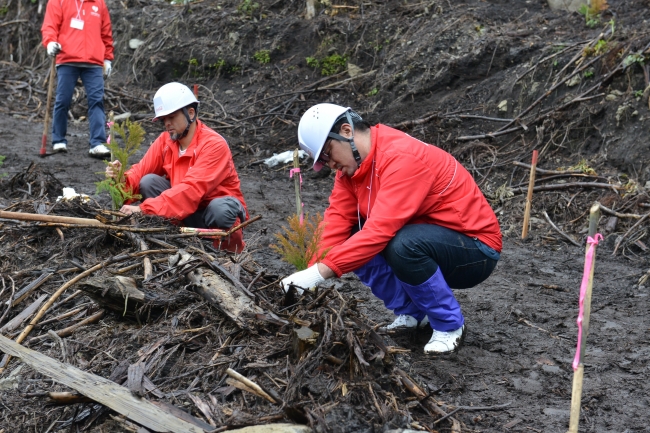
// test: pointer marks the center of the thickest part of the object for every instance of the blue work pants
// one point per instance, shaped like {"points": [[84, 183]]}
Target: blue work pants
{"points": [[415, 272], [93, 81]]}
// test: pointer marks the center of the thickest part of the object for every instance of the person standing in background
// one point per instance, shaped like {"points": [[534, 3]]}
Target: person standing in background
{"points": [[79, 34]]}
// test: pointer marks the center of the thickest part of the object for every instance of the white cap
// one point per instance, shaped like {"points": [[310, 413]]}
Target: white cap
{"points": [[172, 97], [314, 127]]}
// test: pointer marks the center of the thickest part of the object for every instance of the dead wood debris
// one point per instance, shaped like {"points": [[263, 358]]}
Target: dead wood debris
{"points": [[173, 344]]}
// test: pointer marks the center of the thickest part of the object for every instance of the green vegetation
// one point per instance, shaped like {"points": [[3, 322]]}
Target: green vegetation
{"points": [[598, 49], [248, 7], [193, 62], [333, 64], [300, 242], [638, 93], [132, 134], [312, 62], [329, 65], [592, 11], [262, 56], [373, 92], [2, 160], [634, 58], [588, 74]]}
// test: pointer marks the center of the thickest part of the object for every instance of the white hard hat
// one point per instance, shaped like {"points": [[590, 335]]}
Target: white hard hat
{"points": [[172, 97], [314, 128]]}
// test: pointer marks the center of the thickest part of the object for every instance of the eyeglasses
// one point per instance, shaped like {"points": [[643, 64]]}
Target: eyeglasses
{"points": [[324, 158]]}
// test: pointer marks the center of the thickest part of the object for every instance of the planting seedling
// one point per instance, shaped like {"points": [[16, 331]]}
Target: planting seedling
{"points": [[132, 135], [300, 241]]}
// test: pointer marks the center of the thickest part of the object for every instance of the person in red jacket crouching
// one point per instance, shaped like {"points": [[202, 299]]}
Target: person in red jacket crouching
{"points": [[188, 173], [78, 33], [404, 216]]}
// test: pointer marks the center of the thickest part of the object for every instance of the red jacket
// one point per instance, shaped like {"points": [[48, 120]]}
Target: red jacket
{"points": [[402, 181], [93, 44], [206, 171]]}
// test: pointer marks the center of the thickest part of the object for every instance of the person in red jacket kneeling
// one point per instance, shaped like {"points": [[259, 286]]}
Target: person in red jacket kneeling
{"points": [[188, 173], [404, 216]]}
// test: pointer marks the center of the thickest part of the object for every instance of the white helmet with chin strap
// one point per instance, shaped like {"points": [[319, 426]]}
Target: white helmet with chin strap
{"points": [[173, 97], [315, 128]]}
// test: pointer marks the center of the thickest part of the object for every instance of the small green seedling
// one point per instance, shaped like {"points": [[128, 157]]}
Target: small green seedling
{"points": [[132, 135], [262, 56]]}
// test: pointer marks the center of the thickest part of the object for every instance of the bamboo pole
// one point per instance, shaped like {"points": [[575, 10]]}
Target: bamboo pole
{"points": [[529, 197], [49, 218], [296, 180], [578, 374]]}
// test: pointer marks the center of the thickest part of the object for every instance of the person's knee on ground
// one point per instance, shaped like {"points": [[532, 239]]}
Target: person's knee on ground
{"points": [[152, 185], [225, 213]]}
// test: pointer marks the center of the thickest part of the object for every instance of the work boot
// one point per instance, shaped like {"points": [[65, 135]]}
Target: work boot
{"points": [[233, 243], [404, 322], [445, 342]]}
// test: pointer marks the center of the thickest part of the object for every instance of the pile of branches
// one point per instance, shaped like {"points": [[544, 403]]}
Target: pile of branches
{"points": [[83, 295]]}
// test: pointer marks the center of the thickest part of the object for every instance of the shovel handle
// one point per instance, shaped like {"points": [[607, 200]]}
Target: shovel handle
{"points": [[48, 106]]}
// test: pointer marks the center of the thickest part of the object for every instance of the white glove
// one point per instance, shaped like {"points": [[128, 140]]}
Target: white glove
{"points": [[53, 48], [303, 280], [107, 68]]}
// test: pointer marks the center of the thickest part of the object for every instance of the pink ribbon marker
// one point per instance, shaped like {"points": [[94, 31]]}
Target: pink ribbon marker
{"points": [[302, 205], [109, 124], [592, 242]]}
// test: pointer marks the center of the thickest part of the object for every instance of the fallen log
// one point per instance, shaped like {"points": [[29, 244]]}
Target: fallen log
{"points": [[122, 295], [225, 296], [101, 390]]}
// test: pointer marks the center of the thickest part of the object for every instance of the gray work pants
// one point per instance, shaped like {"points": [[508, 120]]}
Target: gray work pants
{"points": [[221, 213]]}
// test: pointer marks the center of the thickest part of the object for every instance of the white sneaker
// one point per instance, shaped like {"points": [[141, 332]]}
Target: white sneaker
{"points": [[99, 151], [405, 322], [59, 147], [445, 342]]}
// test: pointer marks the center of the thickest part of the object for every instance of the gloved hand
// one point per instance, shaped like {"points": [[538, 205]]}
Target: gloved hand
{"points": [[107, 68], [53, 48], [303, 280]]}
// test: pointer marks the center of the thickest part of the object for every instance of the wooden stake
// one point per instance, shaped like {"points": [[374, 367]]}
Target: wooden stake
{"points": [[296, 180], [529, 197], [576, 396]]}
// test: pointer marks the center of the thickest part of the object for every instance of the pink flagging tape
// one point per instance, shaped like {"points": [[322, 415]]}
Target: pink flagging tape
{"points": [[295, 170], [592, 242], [302, 205]]}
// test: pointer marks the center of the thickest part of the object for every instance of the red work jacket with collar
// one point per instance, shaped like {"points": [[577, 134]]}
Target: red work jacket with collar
{"points": [[402, 181], [92, 44], [205, 171]]}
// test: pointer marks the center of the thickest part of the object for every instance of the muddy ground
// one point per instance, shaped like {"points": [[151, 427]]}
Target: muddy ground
{"points": [[434, 61]]}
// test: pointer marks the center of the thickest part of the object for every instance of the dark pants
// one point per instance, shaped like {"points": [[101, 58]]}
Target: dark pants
{"points": [[418, 250], [415, 272], [93, 81], [221, 213]]}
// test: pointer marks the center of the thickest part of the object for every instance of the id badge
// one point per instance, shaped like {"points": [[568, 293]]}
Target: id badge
{"points": [[77, 24]]}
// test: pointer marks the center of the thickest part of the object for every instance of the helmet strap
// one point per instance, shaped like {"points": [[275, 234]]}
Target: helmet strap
{"points": [[189, 122], [335, 136]]}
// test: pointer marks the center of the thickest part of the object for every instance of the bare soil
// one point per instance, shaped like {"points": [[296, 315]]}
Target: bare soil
{"points": [[433, 61]]}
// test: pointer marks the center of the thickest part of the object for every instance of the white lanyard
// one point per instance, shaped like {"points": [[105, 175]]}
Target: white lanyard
{"points": [[79, 8]]}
